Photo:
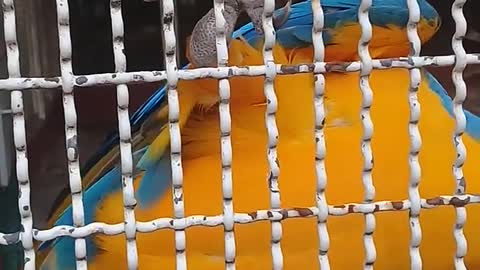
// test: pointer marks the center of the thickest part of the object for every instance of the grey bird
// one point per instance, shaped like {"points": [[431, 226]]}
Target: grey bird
{"points": [[202, 45]]}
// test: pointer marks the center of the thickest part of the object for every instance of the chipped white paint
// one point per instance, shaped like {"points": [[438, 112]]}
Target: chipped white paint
{"points": [[71, 139], [320, 147], [129, 201], [272, 131], [170, 49], [225, 138], [19, 136], [228, 72], [460, 125], [367, 124], [415, 138]]}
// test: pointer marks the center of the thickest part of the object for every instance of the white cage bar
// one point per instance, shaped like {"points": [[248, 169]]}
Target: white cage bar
{"points": [[367, 125], [26, 83], [415, 138], [320, 148], [170, 48], [225, 138], [460, 125], [20, 138], [179, 222], [129, 201], [71, 141], [272, 130]]}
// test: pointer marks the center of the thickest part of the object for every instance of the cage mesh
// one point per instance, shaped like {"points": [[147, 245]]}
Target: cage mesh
{"points": [[70, 82]]}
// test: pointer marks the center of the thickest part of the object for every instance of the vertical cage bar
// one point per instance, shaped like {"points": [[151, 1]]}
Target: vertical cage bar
{"points": [[19, 133], [415, 138], [272, 130], [460, 125], [129, 201], [320, 149], [71, 140], [170, 48], [367, 124], [225, 139]]}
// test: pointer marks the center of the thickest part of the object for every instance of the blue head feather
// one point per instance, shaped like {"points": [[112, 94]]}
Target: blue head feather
{"points": [[297, 31]]}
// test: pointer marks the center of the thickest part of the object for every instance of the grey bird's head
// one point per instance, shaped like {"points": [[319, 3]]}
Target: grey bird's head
{"points": [[202, 50], [254, 9]]}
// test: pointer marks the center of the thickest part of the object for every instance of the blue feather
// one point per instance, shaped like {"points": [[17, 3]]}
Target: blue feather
{"points": [[64, 246], [136, 120], [473, 121], [155, 181]]}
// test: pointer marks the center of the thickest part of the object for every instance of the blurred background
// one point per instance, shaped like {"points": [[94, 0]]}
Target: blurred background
{"points": [[96, 106]]}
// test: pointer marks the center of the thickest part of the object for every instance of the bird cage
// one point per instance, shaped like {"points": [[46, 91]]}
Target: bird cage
{"points": [[17, 85]]}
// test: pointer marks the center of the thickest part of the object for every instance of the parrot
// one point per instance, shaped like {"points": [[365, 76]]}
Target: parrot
{"points": [[296, 149]]}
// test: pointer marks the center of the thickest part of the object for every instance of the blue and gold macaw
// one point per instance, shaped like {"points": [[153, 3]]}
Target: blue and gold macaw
{"points": [[200, 132]]}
